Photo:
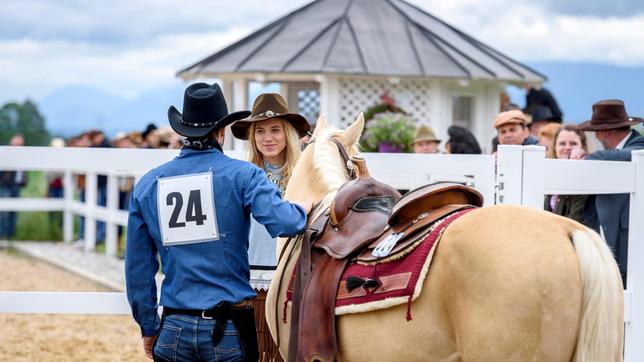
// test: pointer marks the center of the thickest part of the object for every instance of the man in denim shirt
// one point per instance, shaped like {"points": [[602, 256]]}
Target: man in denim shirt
{"points": [[194, 212]]}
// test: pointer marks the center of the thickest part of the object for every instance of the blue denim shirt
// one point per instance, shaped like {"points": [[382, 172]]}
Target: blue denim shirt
{"points": [[202, 275]]}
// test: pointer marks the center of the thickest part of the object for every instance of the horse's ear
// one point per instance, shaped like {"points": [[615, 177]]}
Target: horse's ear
{"points": [[354, 131], [320, 126]]}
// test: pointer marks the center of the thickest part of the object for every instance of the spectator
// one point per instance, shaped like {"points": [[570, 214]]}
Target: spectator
{"points": [[55, 189], [546, 138], [565, 141], [168, 138], [612, 127], [122, 140], [10, 184], [98, 139], [539, 96], [150, 138], [511, 127], [541, 116], [425, 140], [461, 141]]}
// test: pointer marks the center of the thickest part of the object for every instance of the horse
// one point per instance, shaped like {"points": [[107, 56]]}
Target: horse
{"points": [[506, 283]]}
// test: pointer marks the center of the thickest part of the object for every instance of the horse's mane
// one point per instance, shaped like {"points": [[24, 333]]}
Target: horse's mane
{"points": [[327, 161]]}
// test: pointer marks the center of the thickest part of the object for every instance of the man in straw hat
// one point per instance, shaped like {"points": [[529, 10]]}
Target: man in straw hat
{"points": [[194, 211], [425, 140], [612, 127]]}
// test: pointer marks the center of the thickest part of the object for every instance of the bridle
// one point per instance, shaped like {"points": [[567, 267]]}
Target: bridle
{"points": [[348, 164]]}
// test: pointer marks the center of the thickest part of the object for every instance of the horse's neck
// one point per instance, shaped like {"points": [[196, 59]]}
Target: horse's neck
{"points": [[295, 247]]}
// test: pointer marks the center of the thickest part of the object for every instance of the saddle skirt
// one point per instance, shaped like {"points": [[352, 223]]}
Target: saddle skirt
{"points": [[398, 278]]}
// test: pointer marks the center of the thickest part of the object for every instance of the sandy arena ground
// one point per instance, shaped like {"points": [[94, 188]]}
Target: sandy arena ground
{"points": [[60, 337]]}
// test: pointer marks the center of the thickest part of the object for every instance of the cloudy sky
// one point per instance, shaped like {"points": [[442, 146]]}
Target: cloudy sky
{"points": [[126, 47]]}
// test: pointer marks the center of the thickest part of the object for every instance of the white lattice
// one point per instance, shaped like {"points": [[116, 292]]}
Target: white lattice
{"points": [[357, 95]]}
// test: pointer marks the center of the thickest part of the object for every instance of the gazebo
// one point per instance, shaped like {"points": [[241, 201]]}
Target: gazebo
{"points": [[338, 57]]}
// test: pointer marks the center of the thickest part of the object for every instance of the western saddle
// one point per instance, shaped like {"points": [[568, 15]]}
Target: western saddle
{"points": [[368, 221]]}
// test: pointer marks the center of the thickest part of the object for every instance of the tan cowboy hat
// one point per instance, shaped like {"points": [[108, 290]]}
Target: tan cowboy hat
{"points": [[425, 133], [268, 106], [609, 114]]}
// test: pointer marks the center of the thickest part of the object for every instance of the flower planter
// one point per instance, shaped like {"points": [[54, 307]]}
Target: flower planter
{"points": [[387, 147]]}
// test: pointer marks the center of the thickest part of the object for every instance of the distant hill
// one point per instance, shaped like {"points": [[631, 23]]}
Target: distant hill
{"points": [[74, 109], [576, 86]]}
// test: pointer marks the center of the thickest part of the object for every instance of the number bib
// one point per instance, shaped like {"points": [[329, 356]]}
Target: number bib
{"points": [[186, 207]]}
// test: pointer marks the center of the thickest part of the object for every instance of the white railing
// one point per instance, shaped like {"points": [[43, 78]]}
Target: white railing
{"points": [[526, 176], [522, 176]]}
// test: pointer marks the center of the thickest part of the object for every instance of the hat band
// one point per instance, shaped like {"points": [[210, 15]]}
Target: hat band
{"points": [[267, 114], [197, 124]]}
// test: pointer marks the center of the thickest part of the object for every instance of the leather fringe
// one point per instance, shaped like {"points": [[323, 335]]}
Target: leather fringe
{"points": [[268, 351]]}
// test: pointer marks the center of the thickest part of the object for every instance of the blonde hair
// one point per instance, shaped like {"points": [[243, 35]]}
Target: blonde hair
{"points": [[291, 151], [549, 131]]}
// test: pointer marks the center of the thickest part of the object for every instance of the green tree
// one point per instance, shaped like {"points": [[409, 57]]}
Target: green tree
{"points": [[23, 118]]}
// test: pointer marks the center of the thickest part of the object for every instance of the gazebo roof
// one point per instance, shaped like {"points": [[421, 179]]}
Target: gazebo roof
{"points": [[364, 37]]}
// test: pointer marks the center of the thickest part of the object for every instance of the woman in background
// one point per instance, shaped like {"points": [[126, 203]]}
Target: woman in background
{"points": [[565, 140], [461, 141], [546, 136]]}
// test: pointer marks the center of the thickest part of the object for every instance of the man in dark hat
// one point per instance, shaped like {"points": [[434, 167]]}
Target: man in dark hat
{"points": [[541, 116], [612, 127], [536, 96], [150, 137], [194, 212]]}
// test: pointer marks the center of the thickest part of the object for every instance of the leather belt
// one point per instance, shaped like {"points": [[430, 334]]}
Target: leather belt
{"points": [[206, 314]]}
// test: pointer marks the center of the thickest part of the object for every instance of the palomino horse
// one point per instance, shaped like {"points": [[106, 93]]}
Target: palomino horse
{"points": [[507, 283]]}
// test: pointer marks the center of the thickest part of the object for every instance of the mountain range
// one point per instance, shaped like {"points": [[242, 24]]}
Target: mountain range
{"points": [[576, 86]]}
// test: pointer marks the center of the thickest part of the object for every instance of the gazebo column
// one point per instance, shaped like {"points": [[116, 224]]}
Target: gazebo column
{"points": [[239, 103], [285, 86], [227, 87], [438, 111], [329, 98]]}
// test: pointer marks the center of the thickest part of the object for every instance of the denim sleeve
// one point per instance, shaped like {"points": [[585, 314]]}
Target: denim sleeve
{"points": [[141, 266], [265, 202], [611, 155]]}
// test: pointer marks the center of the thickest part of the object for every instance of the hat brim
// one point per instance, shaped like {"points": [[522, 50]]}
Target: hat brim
{"points": [[175, 117], [604, 126], [427, 139], [301, 125]]}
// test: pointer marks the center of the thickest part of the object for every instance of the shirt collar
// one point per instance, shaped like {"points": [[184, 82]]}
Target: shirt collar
{"points": [[189, 151], [623, 142]]}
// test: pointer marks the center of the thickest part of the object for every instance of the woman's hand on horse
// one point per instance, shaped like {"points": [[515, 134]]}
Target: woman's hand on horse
{"points": [[306, 205]]}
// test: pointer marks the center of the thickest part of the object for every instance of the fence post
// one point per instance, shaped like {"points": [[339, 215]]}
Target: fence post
{"points": [[634, 333], [68, 215], [90, 210], [532, 181], [509, 166], [111, 230]]}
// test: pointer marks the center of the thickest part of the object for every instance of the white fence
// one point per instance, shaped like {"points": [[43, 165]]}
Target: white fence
{"points": [[522, 176]]}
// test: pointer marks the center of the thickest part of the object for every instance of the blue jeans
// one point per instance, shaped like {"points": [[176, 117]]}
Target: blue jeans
{"points": [[188, 338], [8, 219]]}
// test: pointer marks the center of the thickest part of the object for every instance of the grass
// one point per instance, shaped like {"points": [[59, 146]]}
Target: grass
{"points": [[37, 225]]}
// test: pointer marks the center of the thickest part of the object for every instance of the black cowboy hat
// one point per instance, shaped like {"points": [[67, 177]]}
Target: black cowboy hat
{"points": [[151, 127], [204, 109], [543, 113], [268, 106], [609, 114]]}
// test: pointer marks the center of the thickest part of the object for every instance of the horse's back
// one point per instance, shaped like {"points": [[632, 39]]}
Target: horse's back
{"points": [[503, 285]]}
